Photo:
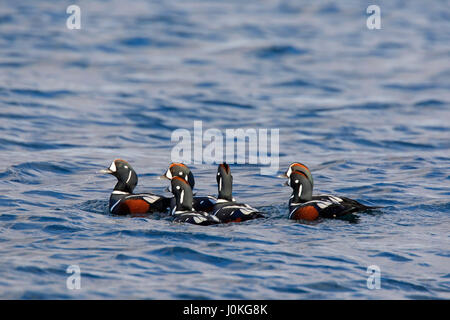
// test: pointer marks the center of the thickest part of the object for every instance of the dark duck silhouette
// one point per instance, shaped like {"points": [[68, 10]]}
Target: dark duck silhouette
{"points": [[304, 206], [205, 203], [183, 210], [123, 201], [226, 208]]}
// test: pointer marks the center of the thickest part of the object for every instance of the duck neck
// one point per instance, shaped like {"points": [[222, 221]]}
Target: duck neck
{"points": [[301, 193], [184, 200], [122, 186], [225, 188]]}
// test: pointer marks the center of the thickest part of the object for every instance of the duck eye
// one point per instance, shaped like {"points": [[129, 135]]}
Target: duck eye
{"points": [[178, 187], [218, 173], [180, 173], [296, 181]]}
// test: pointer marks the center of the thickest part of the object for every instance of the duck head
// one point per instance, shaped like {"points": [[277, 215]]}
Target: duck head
{"points": [[180, 170], [126, 176], [297, 166], [182, 193], [301, 187]]}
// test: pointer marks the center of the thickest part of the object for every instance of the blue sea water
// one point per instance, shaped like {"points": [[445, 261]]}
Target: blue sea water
{"points": [[367, 110]]}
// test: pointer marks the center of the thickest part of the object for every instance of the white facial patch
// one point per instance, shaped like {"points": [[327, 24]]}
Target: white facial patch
{"points": [[300, 190], [288, 173], [220, 184], [168, 174], [112, 167], [182, 196]]}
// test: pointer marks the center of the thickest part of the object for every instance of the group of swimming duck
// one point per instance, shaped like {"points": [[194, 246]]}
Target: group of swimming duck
{"points": [[208, 210]]}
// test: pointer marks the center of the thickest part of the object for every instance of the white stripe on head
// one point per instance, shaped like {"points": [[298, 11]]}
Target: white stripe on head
{"points": [[220, 184], [300, 191], [112, 167], [129, 177], [182, 196]]}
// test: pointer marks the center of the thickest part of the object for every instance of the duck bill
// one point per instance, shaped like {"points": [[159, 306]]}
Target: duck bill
{"points": [[284, 176], [105, 171], [163, 177]]}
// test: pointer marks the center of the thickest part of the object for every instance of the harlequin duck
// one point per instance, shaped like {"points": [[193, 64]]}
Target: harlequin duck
{"points": [[122, 200], [204, 204], [226, 207], [183, 211], [304, 206]]}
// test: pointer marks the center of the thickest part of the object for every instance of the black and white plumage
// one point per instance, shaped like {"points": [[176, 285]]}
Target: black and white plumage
{"points": [[304, 206], [123, 201], [183, 211], [203, 204], [226, 209]]}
